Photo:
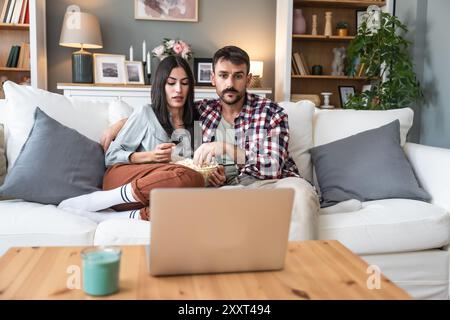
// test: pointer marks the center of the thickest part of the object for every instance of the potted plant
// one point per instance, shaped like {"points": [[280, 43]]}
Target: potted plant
{"points": [[342, 28], [381, 53]]}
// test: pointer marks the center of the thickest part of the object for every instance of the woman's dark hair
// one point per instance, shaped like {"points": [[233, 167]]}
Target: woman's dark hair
{"points": [[159, 100], [233, 54]]}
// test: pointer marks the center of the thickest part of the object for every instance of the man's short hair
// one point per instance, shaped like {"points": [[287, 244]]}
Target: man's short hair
{"points": [[233, 54]]}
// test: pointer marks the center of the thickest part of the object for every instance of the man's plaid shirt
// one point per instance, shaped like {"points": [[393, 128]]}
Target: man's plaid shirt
{"points": [[261, 129]]}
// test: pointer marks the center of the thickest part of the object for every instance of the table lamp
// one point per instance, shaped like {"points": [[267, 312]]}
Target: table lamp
{"points": [[81, 30], [256, 69]]}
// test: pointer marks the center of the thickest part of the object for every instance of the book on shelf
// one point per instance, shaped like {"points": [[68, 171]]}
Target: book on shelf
{"points": [[10, 11], [5, 10], [295, 69], [298, 61], [8, 61], [23, 12], [19, 56], [305, 65], [26, 19], [15, 58], [17, 9], [25, 63], [24, 53]]}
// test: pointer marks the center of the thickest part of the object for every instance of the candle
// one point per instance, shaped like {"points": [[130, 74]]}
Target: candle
{"points": [[131, 53], [149, 63], [101, 270], [144, 50]]}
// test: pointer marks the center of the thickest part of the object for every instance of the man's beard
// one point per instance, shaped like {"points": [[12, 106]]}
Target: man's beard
{"points": [[228, 101]]}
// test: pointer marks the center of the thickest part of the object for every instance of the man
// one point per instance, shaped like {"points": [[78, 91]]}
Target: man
{"points": [[247, 134]]}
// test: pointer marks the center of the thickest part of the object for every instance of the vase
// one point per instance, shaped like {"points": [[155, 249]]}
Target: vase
{"points": [[299, 23], [328, 22], [314, 25]]}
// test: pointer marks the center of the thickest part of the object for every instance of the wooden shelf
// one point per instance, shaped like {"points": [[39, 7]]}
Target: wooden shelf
{"points": [[321, 38], [339, 4], [328, 77], [13, 26], [14, 69]]}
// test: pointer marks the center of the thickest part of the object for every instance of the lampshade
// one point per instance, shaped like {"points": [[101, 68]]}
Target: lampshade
{"points": [[81, 29], [256, 68]]}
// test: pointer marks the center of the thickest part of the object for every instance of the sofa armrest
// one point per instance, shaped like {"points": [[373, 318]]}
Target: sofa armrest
{"points": [[432, 168]]}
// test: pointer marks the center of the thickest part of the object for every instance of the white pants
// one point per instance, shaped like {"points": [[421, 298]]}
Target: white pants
{"points": [[305, 210]]}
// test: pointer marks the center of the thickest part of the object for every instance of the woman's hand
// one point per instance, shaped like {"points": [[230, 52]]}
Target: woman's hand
{"points": [[218, 178], [162, 153], [111, 133]]}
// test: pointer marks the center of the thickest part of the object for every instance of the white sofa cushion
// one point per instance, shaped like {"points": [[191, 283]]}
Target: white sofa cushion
{"points": [[122, 232], [300, 116], [332, 125], [393, 225], [118, 110], [31, 224], [88, 118]]}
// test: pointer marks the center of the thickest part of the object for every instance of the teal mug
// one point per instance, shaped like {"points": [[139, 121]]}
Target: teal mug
{"points": [[101, 266]]}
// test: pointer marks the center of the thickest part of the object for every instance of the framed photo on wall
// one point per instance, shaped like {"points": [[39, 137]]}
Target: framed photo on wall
{"points": [[166, 10], [203, 68], [344, 93], [366, 87], [109, 68], [360, 17], [134, 72]]}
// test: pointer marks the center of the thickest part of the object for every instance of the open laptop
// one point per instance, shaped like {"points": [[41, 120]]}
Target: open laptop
{"points": [[218, 230]]}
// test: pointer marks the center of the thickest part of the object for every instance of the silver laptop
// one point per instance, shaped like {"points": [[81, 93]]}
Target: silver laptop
{"points": [[218, 230]]}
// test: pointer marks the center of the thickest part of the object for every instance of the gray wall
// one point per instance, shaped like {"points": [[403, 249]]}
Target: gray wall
{"points": [[249, 24], [428, 21], [435, 125]]}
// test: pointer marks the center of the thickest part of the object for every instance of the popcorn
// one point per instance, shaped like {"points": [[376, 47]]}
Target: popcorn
{"points": [[206, 169]]}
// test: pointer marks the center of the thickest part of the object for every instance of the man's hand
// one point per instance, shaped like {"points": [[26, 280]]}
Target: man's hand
{"points": [[206, 152], [162, 153], [217, 178], [111, 133]]}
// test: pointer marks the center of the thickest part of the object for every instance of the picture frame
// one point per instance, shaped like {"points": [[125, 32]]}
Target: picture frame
{"points": [[359, 18], [366, 87], [109, 68], [203, 68], [166, 10], [344, 93], [134, 72]]}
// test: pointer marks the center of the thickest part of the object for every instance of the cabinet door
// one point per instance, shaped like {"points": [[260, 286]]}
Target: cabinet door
{"points": [[205, 95], [93, 98]]}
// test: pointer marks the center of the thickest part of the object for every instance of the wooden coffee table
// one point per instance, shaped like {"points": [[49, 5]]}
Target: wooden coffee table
{"points": [[313, 270]]}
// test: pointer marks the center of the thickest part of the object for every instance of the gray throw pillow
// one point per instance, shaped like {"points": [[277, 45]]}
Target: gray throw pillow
{"points": [[367, 166], [55, 163], [2, 155]]}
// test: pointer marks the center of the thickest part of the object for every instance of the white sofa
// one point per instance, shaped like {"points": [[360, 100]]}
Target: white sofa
{"points": [[408, 240]]}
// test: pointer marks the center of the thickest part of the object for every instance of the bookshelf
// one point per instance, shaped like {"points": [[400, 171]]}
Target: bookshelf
{"points": [[316, 49], [34, 34]]}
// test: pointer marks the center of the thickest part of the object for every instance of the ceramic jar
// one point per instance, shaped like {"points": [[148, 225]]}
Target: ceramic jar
{"points": [[299, 23]]}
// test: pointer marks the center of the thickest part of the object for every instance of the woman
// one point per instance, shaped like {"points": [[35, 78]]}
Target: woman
{"points": [[138, 159]]}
